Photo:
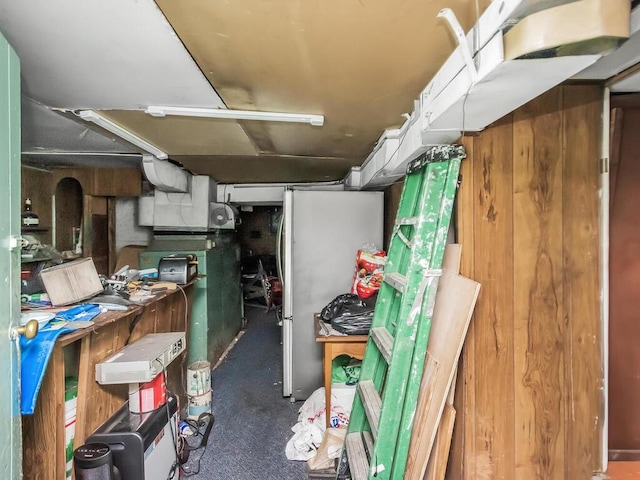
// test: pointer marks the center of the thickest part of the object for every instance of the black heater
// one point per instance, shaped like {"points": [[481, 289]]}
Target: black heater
{"points": [[93, 461]]}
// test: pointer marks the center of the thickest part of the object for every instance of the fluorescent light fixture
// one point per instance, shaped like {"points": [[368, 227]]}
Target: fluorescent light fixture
{"points": [[91, 116], [315, 120]]}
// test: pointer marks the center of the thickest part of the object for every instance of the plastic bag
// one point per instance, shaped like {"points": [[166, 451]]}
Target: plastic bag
{"points": [[345, 369], [309, 430], [369, 270], [349, 314], [347, 302], [330, 448]]}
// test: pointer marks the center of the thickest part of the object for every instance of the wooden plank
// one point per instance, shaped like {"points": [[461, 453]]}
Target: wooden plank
{"points": [[452, 257], [358, 462], [43, 432], [116, 182], [371, 402], [101, 401], [493, 320], [454, 305], [463, 443], [437, 466], [441, 450], [615, 148], [384, 341], [85, 377], [582, 127], [538, 291]]}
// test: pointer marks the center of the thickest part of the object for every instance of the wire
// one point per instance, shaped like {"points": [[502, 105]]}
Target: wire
{"points": [[173, 428], [194, 425], [197, 425], [183, 380], [186, 308], [390, 156]]}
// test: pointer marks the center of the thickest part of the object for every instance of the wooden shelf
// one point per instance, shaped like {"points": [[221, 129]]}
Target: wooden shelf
{"points": [[44, 446]]}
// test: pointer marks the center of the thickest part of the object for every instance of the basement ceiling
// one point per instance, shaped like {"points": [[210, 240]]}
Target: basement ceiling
{"points": [[361, 64], [358, 63]]}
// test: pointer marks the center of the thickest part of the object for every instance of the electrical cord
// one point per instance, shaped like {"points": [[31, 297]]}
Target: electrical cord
{"points": [[172, 427], [134, 322], [196, 426]]}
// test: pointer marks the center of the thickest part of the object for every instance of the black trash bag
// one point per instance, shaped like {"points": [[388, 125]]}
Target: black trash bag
{"points": [[335, 308], [349, 314]]}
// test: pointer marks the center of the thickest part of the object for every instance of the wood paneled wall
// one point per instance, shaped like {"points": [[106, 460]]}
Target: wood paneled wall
{"points": [[529, 396]]}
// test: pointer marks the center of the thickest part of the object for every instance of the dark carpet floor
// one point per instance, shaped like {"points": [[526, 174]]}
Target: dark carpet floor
{"points": [[252, 420]]}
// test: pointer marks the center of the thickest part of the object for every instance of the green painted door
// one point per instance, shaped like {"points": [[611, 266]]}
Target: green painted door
{"points": [[11, 447]]}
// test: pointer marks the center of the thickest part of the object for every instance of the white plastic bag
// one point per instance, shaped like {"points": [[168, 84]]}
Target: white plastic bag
{"points": [[309, 430], [341, 403]]}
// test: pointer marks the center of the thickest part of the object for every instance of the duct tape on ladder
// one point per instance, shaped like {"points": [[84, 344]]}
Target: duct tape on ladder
{"points": [[427, 278]]}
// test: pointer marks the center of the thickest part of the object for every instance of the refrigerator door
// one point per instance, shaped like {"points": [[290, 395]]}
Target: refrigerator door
{"points": [[285, 262], [322, 236]]}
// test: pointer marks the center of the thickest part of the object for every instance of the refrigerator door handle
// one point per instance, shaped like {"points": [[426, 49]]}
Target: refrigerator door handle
{"points": [[279, 248]]}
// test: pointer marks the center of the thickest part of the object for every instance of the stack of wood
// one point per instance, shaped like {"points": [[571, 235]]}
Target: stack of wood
{"points": [[435, 414]]}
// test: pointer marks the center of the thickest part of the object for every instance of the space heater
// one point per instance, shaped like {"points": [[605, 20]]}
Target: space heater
{"points": [[141, 437], [94, 461], [132, 446]]}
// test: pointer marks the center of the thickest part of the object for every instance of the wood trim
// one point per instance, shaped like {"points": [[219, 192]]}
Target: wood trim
{"points": [[464, 432], [615, 148]]}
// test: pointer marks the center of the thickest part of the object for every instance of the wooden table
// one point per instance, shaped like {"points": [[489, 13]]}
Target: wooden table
{"points": [[335, 345]]}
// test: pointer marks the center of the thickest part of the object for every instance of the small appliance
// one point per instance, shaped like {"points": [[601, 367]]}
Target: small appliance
{"points": [[180, 269]]}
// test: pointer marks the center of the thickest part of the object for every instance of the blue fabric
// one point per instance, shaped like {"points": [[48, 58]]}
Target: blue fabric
{"points": [[35, 354], [86, 311]]}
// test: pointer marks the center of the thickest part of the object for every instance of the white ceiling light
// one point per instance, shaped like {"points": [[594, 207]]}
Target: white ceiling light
{"points": [[315, 120], [91, 116]]}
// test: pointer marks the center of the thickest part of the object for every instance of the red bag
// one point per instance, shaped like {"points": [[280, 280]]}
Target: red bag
{"points": [[367, 276]]}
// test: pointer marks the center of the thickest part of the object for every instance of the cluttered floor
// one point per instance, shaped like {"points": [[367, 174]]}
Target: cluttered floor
{"points": [[252, 421]]}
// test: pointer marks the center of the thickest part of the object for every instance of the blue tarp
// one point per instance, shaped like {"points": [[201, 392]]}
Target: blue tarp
{"points": [[35, 353]]}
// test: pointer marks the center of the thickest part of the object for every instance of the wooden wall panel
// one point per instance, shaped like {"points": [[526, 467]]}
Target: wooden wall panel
{"points": [[37, 185], [464, 429], [493, 229], [582, 127], [529, 401], [537, 295], [391, 201]]}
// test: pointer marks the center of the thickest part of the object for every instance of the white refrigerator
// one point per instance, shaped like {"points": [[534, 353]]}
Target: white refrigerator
{"points": [[322, 232]]}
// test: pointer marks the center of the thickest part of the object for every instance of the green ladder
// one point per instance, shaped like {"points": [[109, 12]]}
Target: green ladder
{"points": [[380, 424]]}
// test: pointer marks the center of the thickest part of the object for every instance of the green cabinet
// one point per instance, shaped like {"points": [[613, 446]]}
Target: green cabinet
{"points": [[217, 310]]}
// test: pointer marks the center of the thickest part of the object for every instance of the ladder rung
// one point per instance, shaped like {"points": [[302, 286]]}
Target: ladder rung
{"points": [[407, 221], [384, 341], [368, 442], [372, 404], [396, 280], [358, 462]]}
